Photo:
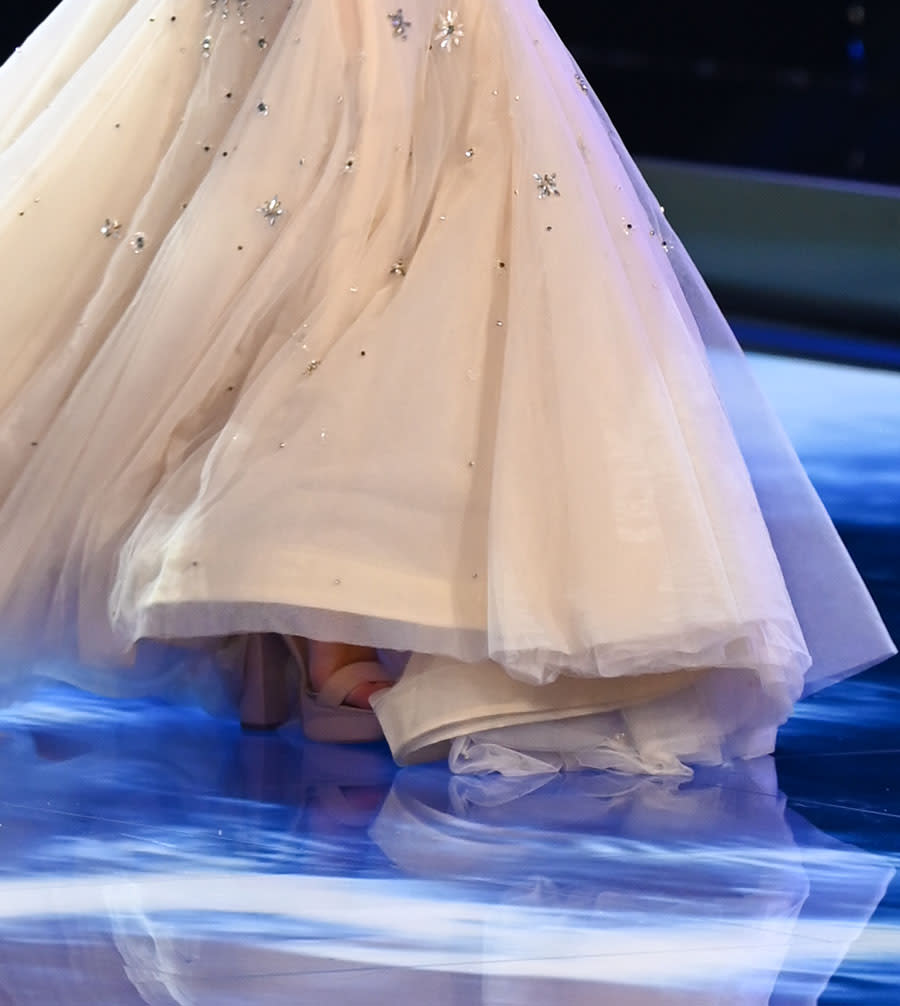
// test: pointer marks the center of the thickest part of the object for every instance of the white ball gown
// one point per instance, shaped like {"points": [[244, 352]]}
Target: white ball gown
{"points": [[359, 323]]}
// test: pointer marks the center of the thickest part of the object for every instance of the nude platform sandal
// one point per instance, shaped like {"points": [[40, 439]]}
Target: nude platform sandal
{"points": [[269, 662], [324, 715]]}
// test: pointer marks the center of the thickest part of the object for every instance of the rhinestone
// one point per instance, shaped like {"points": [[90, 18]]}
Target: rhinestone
{"points": [[262, 108], [271, 210], [399, 24], [450, 31], [546, 185]]}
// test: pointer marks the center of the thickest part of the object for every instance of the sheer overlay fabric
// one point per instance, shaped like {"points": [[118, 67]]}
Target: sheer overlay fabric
{"points": [[366, 327]]}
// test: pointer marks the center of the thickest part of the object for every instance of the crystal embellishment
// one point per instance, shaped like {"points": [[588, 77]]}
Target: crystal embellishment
{"points": [[138, 243], [546, 185], [271, 210], [399, 24], [398, 268], [450, 31], [110, 228], [225, 7], [206, 46]]}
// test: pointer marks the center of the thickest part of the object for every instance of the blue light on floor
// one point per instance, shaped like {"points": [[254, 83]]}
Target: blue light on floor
{"points": [[188, 860], [845, 424], [155, 854]]}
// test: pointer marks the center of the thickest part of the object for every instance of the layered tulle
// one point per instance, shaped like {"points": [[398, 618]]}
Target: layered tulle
{"points": [[384, 340]]}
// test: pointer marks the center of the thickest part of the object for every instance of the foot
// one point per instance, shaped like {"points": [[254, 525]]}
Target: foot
{"points": [[326, 658]]}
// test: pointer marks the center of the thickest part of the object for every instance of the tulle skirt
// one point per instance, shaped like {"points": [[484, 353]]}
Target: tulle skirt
{"points": [[365, 327]]}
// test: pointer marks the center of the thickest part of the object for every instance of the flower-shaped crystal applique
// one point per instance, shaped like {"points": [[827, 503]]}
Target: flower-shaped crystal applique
{"points": [[546, 185], [271, 210], [450, 31], [399, 24]]}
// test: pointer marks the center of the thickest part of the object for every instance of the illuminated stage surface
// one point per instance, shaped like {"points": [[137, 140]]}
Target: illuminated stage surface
{"points": [[154, 854]]}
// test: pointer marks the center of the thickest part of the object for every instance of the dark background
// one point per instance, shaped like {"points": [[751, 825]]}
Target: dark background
{"points": [[810, 86]]}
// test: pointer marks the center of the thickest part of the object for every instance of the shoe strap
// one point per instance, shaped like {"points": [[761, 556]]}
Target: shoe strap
{"points": [[340, 684]]}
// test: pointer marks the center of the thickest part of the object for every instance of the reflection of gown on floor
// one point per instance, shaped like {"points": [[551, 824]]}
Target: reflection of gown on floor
{"points": [[582, 889], [638, 892], [588, 891], [383, 339]]}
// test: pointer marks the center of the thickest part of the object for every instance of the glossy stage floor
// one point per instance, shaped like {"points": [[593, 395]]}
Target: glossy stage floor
{"points": [[154, 854]]}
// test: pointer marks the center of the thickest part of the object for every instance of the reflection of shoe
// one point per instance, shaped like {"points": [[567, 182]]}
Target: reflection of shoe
{"points": [[325, 715], [265, 701]]}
